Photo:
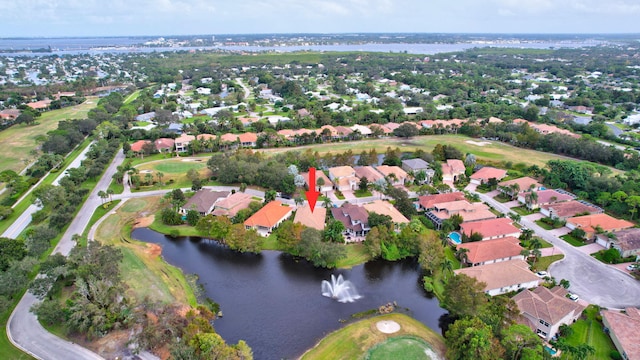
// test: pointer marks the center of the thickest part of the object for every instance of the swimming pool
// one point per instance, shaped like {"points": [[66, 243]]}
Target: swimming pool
{"points": [[550, 350], [455, 238]]}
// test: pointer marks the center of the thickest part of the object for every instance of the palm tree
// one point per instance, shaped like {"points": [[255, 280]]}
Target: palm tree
{"points": [[109, 193], [531, 198], [103, 195], [462, 254], [159, 175], [446, 267], [298, 200], [326, 202]]}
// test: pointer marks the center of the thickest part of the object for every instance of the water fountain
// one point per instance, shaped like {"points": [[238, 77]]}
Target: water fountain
{"points": [[340, 289]]}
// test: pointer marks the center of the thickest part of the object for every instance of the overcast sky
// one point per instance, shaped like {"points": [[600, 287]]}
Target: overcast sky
{"points": [[52, 18]]}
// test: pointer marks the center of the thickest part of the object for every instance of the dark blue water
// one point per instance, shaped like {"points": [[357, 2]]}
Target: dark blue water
{"points": [[274, 302]]}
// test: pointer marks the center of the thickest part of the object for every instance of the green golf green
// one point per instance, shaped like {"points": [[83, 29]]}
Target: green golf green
{"points": [[402, 347]]}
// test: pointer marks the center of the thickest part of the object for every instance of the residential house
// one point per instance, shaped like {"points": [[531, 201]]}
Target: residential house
{"points": [[492, 251], [310, 219], [415, 166], [567, 209], [363, 130], [138, 147], [247, 121], [164, 144], [203, 201], [206, 137], [9, 115], [503, 277], [303, 113], [414, 110], [626, 241], [328, 185], [544, 197], [343, 178], [452, 170], [230, 206], [381, 129], [515, 186], [597, 223], [268, 217], [491, 229], [343, 132], [468, 211], [545, 310], [182, 142], [623, 327], [355, 220], [40, 105], [368, 172], [394, 174], [428, 202], [248, 139], [175, 128], [229, 141], [146, 116], [382, 207], [483, 175], [328, 132]]}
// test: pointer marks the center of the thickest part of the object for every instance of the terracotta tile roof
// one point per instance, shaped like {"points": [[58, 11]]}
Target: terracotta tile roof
{"points": [[488, 172], [391, 126], [341, 171], [481, 251], [310, 219], [232, 204], [385, 208], [625, 327], [319, 174], [203, 200], [228, 137], [343, 131], [501, 274], [137, 146], [164, 143], [468, 211], [545, 196], [206, 137], [184, 138], [495, 120], [387, 170], [333, 130], [570, 208], [384, 129], [490, 228], [369, 172], [269, 215], [428, 201], [248, 137], [42, 104], [452, 167], [548, 305], [524, 183], [588, 223]]}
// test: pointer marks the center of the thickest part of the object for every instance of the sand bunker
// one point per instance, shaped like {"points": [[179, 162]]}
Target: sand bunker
{"points": [[388, 326], [478, 143]]}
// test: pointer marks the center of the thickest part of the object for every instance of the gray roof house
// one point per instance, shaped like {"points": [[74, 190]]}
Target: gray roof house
{"points": [[203, 201], [417, 165]]}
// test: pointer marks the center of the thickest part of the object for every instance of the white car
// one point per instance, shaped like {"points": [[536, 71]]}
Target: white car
{"points": [[632, 267], [573, 297], [542, 274]]}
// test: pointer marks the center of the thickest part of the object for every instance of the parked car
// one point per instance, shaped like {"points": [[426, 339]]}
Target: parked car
{"points": [[574, 297], [632, 267], [542, 274]]}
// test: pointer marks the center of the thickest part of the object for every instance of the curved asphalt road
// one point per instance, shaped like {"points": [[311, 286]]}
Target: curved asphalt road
{"points": [[592, 280]]}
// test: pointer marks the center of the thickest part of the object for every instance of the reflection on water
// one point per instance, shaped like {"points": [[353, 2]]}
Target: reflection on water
{"points": [[274, 301]]}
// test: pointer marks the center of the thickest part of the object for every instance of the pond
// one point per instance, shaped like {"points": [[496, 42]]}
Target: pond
{"points": [[274, 302]]}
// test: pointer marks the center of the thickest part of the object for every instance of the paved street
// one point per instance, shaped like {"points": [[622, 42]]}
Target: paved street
{"points": [[592, 280]]}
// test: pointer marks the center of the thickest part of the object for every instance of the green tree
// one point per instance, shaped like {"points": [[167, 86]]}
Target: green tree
{"points": [[519, 339], [193, 216], [333, 231], [470, 338], [464, 296]]}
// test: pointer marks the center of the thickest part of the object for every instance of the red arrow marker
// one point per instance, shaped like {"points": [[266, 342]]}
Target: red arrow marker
{"points": [[312, 194]]}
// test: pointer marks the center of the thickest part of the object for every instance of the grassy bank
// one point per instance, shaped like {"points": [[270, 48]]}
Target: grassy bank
{"points": [[588, 330], [143, 269], [354, 340]]}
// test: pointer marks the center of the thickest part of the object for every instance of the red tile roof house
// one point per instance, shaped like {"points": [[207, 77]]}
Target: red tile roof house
{"points": [[391, 172], [492, 251], [229, 141], [503, 277], [451, 171], [491, 229], [248, 139], [483, 175], [428, 202], [588, 223], [382, 207], [343, 178], [164, 144], [468, 211], [624, 329], [203, 201], [355, 220], [626, 241], [268, 218], [545, 197], [310, 219], [565, 210], [40, 105], [544, 310], [328, 185], [523, 184], [231, 205], [182, 142], [138, 147]]}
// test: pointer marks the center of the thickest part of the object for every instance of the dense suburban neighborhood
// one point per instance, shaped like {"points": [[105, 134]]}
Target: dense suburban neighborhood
{"points": [[495, 176]]}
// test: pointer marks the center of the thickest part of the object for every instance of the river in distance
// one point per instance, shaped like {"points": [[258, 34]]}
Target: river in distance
{"points": [[274, 302]]}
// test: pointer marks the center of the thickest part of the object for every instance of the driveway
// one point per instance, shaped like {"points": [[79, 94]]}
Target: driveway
{"points": [[590, 249], [534, 217]]}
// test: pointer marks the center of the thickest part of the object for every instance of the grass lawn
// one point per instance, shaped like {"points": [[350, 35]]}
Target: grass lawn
{"points": [[134, 95], [100, 211], [572, 240], [360, 193], [143, 269], [401, 347], [496, 153], [522, 210], [544, 225], [356, 254], [450, 254], [589, 330], [525, 244], [180, 230], [543, 263], [174, 172], [354, 340], [501, 198], [18, 141]]}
